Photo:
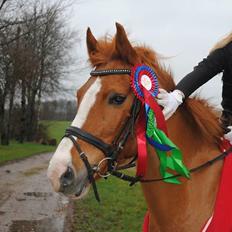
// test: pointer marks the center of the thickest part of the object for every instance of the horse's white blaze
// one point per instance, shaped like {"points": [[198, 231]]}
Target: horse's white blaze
{"points": [[62, 156], [87, 103], [59, 162]]}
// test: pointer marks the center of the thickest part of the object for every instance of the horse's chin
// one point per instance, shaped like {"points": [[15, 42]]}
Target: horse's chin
{"points": [[83, 193], [80, 193]]}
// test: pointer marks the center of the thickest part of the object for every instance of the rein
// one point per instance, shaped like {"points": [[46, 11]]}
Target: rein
{"points": [[112, 150], [135, 179]]}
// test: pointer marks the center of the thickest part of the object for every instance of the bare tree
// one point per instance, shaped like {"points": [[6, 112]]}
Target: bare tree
{"points": [[35, 56], [2, 4]]}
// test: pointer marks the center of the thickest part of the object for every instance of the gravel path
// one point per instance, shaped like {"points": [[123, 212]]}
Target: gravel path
{"points": [[27, 202]]}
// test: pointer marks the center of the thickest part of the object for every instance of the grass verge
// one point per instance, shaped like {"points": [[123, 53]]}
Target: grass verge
{"points": [[122, 208], [16, 151], [56, 129]]}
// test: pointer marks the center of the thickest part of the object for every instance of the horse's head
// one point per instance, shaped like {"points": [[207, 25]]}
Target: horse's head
{"points": [[105, 104]]}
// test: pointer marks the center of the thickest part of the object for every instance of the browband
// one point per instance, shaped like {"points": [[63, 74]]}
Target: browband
{"points": [[110, 72]]}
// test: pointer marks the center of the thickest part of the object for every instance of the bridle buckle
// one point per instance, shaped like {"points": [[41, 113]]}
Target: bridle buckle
{"points": [[98, 167], [120, 146]]}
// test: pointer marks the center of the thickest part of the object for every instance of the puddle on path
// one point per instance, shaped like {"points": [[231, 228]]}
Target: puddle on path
{"points": [[34, 171], [44, 225], [23, 226]]}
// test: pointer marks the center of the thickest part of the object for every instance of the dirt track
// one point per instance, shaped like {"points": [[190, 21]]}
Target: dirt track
{"points": [[27, 202]]}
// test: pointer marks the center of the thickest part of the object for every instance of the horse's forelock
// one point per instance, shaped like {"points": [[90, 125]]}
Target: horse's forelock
{"points": [[106, 53]]}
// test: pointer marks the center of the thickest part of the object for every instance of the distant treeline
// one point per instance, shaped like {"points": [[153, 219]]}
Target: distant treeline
{"points": [[58, 110], [63, 110]]}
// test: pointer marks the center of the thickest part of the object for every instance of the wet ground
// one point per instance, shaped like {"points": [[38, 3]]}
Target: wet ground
{"points": [[27, 201]]}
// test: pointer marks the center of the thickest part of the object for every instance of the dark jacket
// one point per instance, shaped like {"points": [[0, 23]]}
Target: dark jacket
{"points": [[218, 61]]}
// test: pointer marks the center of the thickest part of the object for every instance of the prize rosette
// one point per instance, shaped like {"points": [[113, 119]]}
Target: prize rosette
{"points": [[143, 76], [151, 127]]}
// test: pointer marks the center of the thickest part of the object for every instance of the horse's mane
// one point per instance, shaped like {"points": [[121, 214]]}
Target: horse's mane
{"points": [[200, 116]]}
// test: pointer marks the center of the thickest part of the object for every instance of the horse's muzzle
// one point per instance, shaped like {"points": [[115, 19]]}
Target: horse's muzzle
{"points": [[70, 184]]}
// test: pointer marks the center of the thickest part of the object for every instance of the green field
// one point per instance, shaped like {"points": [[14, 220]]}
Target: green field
{"points": [[122, 208], [18, 151], [56, 128]]}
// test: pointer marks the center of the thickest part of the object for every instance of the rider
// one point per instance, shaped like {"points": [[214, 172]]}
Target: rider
{"points": [[219, 60]]}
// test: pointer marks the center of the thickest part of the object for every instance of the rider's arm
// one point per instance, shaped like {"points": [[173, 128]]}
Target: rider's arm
{"points": [[204, 71]]}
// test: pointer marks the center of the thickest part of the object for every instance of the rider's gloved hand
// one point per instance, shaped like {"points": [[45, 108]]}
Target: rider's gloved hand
{"points": [[228, 135], [169, 101]]}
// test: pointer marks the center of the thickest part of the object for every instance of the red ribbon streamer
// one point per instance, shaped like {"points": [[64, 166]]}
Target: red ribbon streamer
{"points": [[149, 99], [141, 143], [141, 131], [146, 223]]}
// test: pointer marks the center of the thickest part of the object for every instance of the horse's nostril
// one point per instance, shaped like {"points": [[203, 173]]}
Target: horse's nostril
{"points": [[67, 178], [69, 173]]}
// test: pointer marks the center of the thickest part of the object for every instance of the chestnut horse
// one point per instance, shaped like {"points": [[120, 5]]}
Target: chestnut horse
{"points": [[104, 105]]}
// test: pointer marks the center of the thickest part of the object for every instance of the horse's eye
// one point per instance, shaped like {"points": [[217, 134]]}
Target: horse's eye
{"points": [[117, 99]]}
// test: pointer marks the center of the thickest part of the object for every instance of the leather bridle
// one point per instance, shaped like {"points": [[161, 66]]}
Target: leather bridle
{"points": [[112, 150]]}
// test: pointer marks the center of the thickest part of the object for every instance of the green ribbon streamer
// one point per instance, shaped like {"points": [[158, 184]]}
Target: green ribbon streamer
{"points": [[173, 160]]}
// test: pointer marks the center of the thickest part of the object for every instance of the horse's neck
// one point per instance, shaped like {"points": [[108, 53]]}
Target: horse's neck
{"points": [[184, 207]]}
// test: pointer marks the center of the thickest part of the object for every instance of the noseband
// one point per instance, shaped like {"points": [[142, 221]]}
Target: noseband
{"points": [[112, 150]]}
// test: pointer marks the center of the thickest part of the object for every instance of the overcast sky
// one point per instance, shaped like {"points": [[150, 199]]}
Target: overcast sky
{"points": [[182, 29]]}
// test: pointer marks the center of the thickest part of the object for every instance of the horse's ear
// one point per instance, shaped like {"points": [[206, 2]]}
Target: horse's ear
{"points": [[91, 43], [123, 46]]}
